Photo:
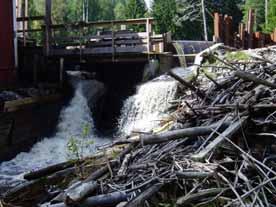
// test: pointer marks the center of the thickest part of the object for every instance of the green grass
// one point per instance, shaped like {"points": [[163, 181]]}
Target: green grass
{"points": [[237, 56]]}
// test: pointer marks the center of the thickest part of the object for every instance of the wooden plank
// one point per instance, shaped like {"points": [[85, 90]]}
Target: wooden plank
{"points": [[140, 21], [100, 50], [30, 30], [48, 22], [31, 18], [149, 32]]}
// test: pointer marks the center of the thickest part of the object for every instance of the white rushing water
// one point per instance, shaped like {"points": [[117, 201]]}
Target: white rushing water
{"points": [[144, 111], [141, 112], [73, 118]]}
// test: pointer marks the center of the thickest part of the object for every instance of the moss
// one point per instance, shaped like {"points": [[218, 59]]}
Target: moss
{"points": [[237, 56]]}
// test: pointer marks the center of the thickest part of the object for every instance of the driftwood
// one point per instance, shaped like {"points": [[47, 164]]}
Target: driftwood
{"points": [[188, 199], [79, 191], [193, 175], [192, 132], [249, 77], [48, 170], [187, 84], [229, 132], [238, 118]]}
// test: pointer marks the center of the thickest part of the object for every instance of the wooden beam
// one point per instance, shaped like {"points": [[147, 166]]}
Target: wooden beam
{"points": [[142, 21], [32, 18], [149, 32], [250, 27], [48, 22]]}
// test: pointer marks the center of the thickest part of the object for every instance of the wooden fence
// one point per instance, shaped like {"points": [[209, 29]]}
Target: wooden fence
{"points": [[245, 37]]}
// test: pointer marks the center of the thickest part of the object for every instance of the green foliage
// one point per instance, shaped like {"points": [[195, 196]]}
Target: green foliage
{"points": [[135, 9], [271, 16], [76, 146], [164, 12], [237, 56], [259, 7]]}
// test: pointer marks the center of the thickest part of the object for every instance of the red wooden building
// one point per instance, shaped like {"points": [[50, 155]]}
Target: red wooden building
{"points": [[7, 41]]}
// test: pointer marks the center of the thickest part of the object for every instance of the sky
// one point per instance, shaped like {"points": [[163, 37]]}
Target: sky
{"points": [[148, 2]]}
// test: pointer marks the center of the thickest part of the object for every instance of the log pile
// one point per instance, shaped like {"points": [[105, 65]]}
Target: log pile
{"points": [[220, 151]]}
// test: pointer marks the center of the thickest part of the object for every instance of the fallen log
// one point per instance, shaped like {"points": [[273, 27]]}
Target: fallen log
{"points": [[250, 77], [79, 191], [99, 173], [48, 170], [140, 199], [192, 132], [229, 132], [110, 199]]}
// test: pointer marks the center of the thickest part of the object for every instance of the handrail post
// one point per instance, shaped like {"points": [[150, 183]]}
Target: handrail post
{"points": [[149, 33], [48, 21]]}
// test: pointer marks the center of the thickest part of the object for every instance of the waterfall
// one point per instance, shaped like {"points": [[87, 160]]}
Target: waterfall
{"points": [[141, 112], [144, 111], [53, 150]]}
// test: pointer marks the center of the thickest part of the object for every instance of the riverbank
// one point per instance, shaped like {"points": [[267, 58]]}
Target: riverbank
{"points": [[216, 148]]}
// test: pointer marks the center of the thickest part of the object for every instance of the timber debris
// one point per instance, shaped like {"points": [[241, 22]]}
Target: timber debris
{"points": [[220, 151]]}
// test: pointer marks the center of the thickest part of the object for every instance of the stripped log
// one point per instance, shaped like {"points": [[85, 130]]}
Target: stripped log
{"points": [[48, 170], [192, 132], [80, 191], [110, 199], [228, 133], [148, 193]]}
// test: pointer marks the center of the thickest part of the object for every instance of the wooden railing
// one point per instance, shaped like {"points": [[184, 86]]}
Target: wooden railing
{"points": [[26, 30], [92, 39], [97, 37]]}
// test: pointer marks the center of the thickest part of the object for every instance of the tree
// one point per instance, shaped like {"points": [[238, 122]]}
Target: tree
{"points": [[164, 12], [135, 9], [119, 9], [271, 21], [259, 7]]}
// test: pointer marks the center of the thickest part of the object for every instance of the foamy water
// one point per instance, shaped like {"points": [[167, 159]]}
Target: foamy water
{"points": [[144, 111], [52, 150]]}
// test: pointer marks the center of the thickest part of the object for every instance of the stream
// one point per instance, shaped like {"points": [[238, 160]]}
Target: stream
{"points": [[141, 112]]}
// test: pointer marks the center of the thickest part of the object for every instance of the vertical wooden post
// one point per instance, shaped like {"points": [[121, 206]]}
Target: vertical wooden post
{"points": [[113, 42], [35, 71], [242, 35], [228, 30], [48, 22], [273, 36], [25, 23], [149, 33], [61, 69], [250, 26], [217, 28]]}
